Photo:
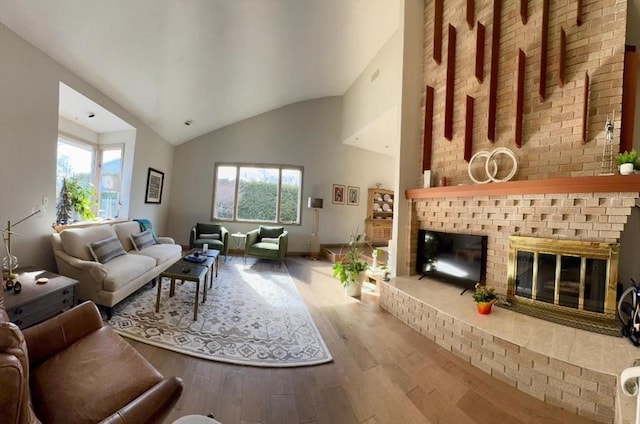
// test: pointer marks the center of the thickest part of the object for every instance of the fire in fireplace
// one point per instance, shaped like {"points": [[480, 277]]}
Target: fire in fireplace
{"points": [[566, 281]]}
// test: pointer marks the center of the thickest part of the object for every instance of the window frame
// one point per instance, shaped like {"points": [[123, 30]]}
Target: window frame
{"points": [[238, 166], [97, 151]]}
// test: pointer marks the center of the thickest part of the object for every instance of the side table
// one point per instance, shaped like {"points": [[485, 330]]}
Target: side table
{"points": [[238, 241], [39, 302]]}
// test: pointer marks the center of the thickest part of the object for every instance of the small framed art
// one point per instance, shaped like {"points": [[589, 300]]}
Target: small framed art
{"points": [[338, 194], [353, 196], [155, 181]]}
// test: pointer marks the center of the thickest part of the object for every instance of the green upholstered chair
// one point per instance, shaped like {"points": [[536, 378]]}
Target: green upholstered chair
{"points": [[215, 235], [267, 243]]}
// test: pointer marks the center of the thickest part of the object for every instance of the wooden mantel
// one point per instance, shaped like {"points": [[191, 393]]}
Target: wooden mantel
{"points": [[599, 184]]}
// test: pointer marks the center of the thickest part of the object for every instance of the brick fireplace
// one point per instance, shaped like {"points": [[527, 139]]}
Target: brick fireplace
{"points": [[580, 208]]}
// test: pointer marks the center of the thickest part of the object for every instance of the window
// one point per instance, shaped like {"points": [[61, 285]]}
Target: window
{"points": [[260, 193], [95, 168]]}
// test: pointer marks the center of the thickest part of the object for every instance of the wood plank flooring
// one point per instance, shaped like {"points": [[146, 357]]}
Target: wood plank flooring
{"points": [[383, 372]]}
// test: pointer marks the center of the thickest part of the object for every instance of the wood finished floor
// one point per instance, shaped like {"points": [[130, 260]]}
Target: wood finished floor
{"points": [[383, 372]]}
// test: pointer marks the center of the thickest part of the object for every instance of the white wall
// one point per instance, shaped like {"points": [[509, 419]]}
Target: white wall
{"points": [[304, 134], [29, 83]]}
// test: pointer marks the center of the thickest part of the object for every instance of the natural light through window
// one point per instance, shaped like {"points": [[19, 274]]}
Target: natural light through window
{"points": [[258, 193]]}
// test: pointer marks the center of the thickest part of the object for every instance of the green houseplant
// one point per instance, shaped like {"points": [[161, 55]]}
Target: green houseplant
{"points": [[484, 297], [349, 270], [628, 161], [73, 198]]}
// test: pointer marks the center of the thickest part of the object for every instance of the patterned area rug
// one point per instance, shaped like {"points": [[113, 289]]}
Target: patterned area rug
{"points": [[253, 316]]}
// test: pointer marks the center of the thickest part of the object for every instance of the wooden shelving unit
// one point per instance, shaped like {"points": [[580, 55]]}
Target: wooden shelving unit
{"points": [[380, 210]]}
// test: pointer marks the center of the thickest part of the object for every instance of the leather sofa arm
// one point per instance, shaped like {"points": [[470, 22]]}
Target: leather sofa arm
{"points": [[150, 405], [56, 334]]}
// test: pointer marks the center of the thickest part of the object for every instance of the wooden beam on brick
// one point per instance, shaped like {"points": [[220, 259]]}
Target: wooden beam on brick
{"points": [[520, 98], [468, 129], [524, 12], [578, 12], [451, 76], [493, 76], [544, 46], [437, 30], [563, 57], [629, 87], [480, 33], [585, 107], [470, 13], [427, 140]]}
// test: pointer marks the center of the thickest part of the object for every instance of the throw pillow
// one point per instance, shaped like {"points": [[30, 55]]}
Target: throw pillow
{"points": [[105, 250], [142, 240], [270, 232], [274, 240], [210, 236]]}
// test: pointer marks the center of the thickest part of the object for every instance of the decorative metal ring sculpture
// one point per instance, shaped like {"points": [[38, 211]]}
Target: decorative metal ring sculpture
{"points": [[491, 166]]}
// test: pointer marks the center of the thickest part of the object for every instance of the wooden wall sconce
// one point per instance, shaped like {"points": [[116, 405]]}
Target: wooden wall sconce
{"points": [[524, 12], [563, 57], [470, 13], [578, 12]]}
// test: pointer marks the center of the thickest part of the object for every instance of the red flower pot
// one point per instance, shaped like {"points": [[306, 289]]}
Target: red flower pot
{"points": [[484, 308]]}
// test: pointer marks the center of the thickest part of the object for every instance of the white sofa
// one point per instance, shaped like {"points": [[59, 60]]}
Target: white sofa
{"points": [[109, 283]]}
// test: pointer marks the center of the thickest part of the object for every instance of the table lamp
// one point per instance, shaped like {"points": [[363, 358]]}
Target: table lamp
{"points": [[10, 262], [316, 205]]}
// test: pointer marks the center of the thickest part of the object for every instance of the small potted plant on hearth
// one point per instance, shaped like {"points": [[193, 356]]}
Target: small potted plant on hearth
{"points": [[484, 297]]}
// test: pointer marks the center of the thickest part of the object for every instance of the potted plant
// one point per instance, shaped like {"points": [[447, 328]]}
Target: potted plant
{"points": [[627, 162], [74, 198], [484, 297], [350, 270]]}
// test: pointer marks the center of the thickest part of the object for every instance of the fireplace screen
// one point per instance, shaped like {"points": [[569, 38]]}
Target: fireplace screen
{"points": [[572, 282]]}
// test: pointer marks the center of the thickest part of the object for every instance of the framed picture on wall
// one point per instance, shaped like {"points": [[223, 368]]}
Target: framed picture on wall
{"points": [[353, 196], [338, 194], [155, 181]]}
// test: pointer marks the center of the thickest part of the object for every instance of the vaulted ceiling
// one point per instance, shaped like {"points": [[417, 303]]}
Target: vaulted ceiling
{"points": [[214, 62]]}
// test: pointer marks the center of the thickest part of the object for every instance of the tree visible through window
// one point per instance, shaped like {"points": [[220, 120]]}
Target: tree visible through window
{"points": [[258, 193]]}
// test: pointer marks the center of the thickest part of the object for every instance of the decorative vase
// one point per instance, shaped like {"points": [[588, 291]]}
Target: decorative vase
{"points": [[484, 308], [626, 169]]}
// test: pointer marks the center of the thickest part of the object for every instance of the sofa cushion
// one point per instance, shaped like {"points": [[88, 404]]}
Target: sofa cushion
{"points": [[142, 240], [161, 253], [270, 232], [124, 230], [89, 371], [212, 243], [209, 236], [105, 250], [75, 240], [273, 240], [124, 269]]}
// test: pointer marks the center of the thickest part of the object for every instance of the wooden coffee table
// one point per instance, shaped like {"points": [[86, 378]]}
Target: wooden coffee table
{"points": [[185, 271]]}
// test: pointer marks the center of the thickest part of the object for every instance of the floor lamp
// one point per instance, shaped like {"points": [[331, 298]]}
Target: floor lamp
{"points": [[316, 205]]}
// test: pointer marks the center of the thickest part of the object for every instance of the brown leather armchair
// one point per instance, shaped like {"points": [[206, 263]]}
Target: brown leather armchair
{"points": [[74, 369]]}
